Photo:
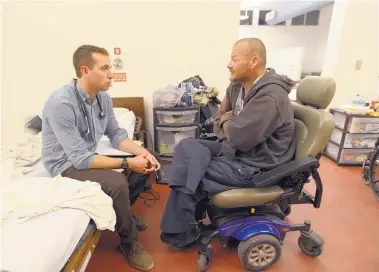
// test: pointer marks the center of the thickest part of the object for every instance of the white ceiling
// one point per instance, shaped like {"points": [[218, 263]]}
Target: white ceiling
{"points": [[245, 4]]}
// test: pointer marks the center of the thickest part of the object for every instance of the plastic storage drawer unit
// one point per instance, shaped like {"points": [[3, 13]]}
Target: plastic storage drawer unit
{"points": [[176, 117], [169, 137]]}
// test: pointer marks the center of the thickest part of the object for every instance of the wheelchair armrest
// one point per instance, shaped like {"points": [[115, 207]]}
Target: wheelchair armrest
{"points": [[289, 169]]}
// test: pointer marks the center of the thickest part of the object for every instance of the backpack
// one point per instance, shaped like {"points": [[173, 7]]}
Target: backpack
{"points": [[137, 185]]}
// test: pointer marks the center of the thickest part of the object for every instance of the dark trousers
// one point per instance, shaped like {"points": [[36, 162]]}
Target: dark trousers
{"points": [[115, 185], [180, 210], [202, 165]]}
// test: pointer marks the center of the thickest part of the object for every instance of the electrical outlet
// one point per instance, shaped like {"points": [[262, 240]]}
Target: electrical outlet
{"points": [[358, 65]]}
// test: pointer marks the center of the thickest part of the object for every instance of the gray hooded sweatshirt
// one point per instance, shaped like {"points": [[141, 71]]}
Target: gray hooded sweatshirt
{"points": [[258, 135], [263, 133]]}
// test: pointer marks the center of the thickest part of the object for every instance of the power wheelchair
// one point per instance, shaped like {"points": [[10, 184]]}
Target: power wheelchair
{"points": [[254, 217]]}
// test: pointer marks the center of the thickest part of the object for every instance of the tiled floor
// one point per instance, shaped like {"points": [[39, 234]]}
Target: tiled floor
{"points": [[348, 220]]}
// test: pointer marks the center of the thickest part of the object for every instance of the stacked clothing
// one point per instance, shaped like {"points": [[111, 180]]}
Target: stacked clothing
{"points": [[203, 96]]}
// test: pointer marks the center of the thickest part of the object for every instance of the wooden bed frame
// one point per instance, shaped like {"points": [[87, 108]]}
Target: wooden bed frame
{"points": [[80, 259]]}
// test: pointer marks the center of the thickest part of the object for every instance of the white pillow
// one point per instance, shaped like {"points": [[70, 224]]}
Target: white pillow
{"points": [[119, 111], [126, 119]]}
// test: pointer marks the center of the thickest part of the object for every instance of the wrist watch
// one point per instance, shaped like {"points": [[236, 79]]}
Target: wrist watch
{"points": [[124, 164]]}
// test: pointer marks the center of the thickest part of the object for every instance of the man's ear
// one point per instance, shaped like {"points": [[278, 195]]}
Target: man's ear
{"points": [[254, 62], [84, 70]]}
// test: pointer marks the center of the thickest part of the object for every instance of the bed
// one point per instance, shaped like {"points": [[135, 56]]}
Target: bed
{"points": [[66, 239]]}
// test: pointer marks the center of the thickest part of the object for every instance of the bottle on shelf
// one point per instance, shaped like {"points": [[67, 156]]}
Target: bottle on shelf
{"points": [[359, 101]]}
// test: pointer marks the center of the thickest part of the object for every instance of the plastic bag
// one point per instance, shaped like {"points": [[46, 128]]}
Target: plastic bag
{"points": [[196, 81], [168, 96]]}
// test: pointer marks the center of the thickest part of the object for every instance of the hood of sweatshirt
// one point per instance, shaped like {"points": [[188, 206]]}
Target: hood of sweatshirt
{"points": [[271, 77]]}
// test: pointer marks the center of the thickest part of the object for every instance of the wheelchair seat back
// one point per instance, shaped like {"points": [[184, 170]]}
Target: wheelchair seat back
{"points": [[313, 125]]}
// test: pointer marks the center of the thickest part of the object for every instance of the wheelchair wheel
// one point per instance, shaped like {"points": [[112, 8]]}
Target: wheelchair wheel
{"points": [[309, 247], [366, 172], [205, 258], [373, 175], [259, 252]]}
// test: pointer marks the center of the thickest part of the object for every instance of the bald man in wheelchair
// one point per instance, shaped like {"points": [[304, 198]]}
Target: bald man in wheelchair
{"points": [[256, 130]]}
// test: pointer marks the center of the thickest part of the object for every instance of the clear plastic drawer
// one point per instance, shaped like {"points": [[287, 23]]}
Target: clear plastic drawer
{"points": [[339, 119], [332, 150], [360, 140], [176, 117], [354, 156], [348, 156], [169, 137], [165, 170], [364, 125], [336, 136]]}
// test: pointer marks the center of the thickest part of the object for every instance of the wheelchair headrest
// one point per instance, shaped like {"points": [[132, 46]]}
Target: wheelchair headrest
{"points": [[316, 91]]}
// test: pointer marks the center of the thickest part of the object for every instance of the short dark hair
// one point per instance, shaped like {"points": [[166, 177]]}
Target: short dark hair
{"points": [[83, 56]]}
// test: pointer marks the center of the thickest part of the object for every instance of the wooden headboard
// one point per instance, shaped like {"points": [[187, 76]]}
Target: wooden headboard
{"points": [[135, 104]]}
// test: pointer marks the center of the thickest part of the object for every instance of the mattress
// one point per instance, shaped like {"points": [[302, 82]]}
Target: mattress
{"points": [[43, 243]]}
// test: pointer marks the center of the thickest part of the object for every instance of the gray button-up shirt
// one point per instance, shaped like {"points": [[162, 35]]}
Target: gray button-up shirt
{"points": [[65, 142]]}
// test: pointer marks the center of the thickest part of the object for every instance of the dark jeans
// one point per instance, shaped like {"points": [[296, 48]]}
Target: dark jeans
{"points": [[115, 185]]}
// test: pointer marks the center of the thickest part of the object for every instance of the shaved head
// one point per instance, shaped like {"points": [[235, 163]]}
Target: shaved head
{"points": [[254, 47]]}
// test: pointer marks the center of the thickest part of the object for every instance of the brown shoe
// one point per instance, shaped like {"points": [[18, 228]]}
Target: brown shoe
{"points": [[137, 256], [140, 223]]}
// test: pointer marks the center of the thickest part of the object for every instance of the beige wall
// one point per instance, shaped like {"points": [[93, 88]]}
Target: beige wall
{"points": [[161, 42], [353, 36], [1, 66]]}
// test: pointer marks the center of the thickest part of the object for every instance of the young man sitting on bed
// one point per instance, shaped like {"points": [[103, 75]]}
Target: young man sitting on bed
{"points": [[74, 118]]}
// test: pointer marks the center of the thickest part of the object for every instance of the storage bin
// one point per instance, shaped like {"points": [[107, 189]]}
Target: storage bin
{"points": [[165, 170], [353, 156], [336, 136], [339, 119], [363, 125], [176, 117], [169, 137], [360, 140]]}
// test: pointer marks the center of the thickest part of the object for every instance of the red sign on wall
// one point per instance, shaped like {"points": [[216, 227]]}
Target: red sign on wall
{"points": [[117, 51], [119, 77]]}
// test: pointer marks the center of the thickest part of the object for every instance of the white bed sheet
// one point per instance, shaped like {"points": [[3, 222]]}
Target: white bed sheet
{"points": [[38, 170], [46, 242], [43, 243]]}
